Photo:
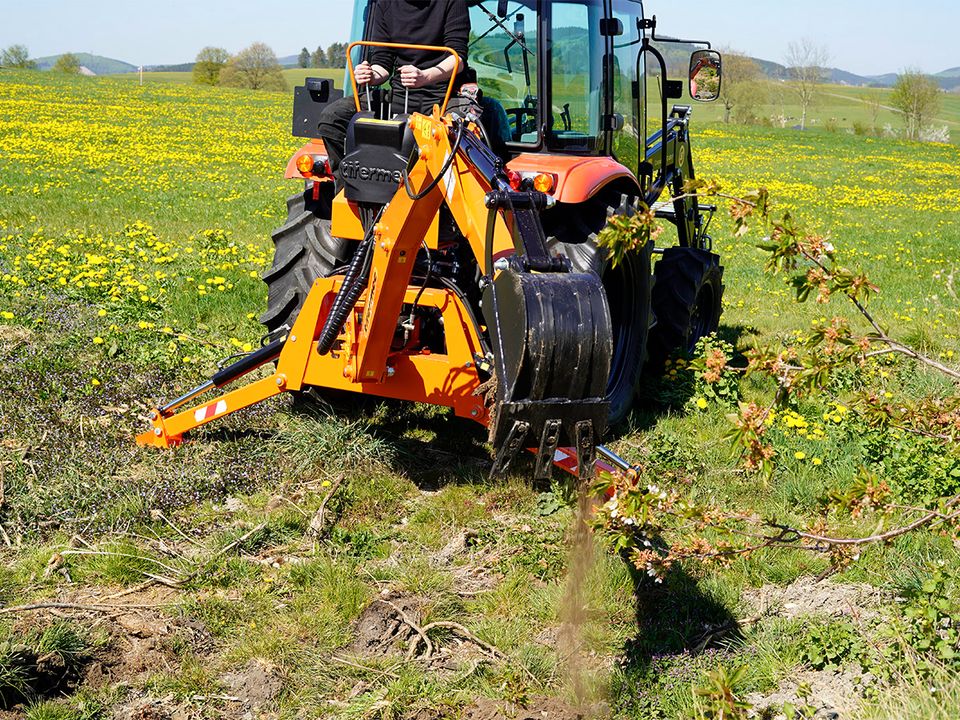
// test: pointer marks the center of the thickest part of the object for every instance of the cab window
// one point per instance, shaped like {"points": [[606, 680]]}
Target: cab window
{"points": [[503, 53]]}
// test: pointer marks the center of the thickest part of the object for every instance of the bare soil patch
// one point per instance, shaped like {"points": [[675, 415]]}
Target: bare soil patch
{"points": [[380, 630], [257, 685], [834, 695], [806, 596]]}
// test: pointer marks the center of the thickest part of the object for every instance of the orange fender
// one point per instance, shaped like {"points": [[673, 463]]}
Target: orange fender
{"points": [[578, 178]]}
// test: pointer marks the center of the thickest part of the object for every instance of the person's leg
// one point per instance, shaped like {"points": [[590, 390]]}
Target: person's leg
{"points": [[333, 124]]}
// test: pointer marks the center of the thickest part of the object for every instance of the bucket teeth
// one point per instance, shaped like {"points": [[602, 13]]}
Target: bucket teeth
{"points": [[586, 450], [548, 448], [511, 447]]}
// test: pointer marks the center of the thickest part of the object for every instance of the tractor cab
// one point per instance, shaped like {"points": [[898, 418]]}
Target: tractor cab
{"points": [[565, 76]]}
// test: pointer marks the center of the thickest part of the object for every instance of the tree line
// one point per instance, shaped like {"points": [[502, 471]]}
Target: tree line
{"points": [[253, 68], [334, 56], [17, 57]]}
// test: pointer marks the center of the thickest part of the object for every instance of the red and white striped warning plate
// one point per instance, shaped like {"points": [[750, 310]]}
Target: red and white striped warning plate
{"points": [[566, 460], [210, 411]]}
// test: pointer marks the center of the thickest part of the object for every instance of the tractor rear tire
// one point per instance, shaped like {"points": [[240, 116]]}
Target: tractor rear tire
{"points": [[628, 289], [687, 301], [304, 250]]}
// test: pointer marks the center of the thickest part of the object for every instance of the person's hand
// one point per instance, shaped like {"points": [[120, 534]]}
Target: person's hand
{"points": [[363, 73], [413, 77]]}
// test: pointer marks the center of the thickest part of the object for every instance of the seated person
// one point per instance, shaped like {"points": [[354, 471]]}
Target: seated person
{"points": [[425, 74]]}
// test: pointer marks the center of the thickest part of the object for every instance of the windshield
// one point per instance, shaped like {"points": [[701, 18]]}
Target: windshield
{"points": [[503, 52]]}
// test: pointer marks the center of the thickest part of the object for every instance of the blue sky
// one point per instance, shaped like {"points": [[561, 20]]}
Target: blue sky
{"points": [[863, 36]]}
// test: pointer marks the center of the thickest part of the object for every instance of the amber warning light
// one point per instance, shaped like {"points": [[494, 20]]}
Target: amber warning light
{"points": [[305, 164]]}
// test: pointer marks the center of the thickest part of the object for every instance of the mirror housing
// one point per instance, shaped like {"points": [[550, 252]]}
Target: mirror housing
{"points": [[706, 75], [611, 27], [502, 9]]}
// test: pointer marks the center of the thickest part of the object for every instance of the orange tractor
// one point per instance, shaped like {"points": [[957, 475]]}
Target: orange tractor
{"points": [[463, 270]]}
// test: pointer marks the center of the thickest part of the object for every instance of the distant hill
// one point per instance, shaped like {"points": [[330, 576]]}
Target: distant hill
{"points": [[96, 63], [948, 79], [677, 56], [182, 67], [290, 61]]}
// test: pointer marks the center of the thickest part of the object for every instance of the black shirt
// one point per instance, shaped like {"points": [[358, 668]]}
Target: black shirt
{"points": [[420, 22]]}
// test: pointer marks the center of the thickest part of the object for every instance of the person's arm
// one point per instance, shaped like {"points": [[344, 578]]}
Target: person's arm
{"points": [[365, 73], [414, 77], [381, 60]]}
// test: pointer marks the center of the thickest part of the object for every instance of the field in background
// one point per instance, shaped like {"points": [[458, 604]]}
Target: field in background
{"points": [[134, 224], [292, 76], [837, 106]]}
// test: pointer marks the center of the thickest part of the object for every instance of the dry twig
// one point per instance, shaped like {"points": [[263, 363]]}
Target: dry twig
{"points": [[76, 606], [319, 520], [223, 551], [181, 533], [348, 663], [421, 635]]}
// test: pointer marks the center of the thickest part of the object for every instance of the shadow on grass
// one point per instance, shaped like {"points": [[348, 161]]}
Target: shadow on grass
{"points": [[430, 444], [681, 632], [676, 617], [659, 395]]}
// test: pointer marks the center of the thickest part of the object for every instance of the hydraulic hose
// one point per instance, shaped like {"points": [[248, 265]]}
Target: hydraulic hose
{"points": [[443, 171], [354, 283]]}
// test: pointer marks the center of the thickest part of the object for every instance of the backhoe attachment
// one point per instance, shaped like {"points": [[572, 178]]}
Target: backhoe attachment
{"points": [[534, 372]]}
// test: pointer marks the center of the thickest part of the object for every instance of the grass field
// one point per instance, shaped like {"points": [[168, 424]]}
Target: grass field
{"points": [[134, 225], [292, 76]]}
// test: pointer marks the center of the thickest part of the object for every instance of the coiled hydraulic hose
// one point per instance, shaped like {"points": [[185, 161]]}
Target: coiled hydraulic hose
{"points": [[354, 283]]}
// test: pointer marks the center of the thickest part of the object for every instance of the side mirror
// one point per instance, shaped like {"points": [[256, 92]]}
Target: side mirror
{"points": [[706, 75]]}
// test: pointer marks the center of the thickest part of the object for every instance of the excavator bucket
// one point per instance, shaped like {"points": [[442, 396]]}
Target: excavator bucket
{"points": [[551, 334]]}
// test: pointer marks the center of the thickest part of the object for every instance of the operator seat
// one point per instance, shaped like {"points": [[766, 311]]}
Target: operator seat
{"points": [[375, 155]]}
